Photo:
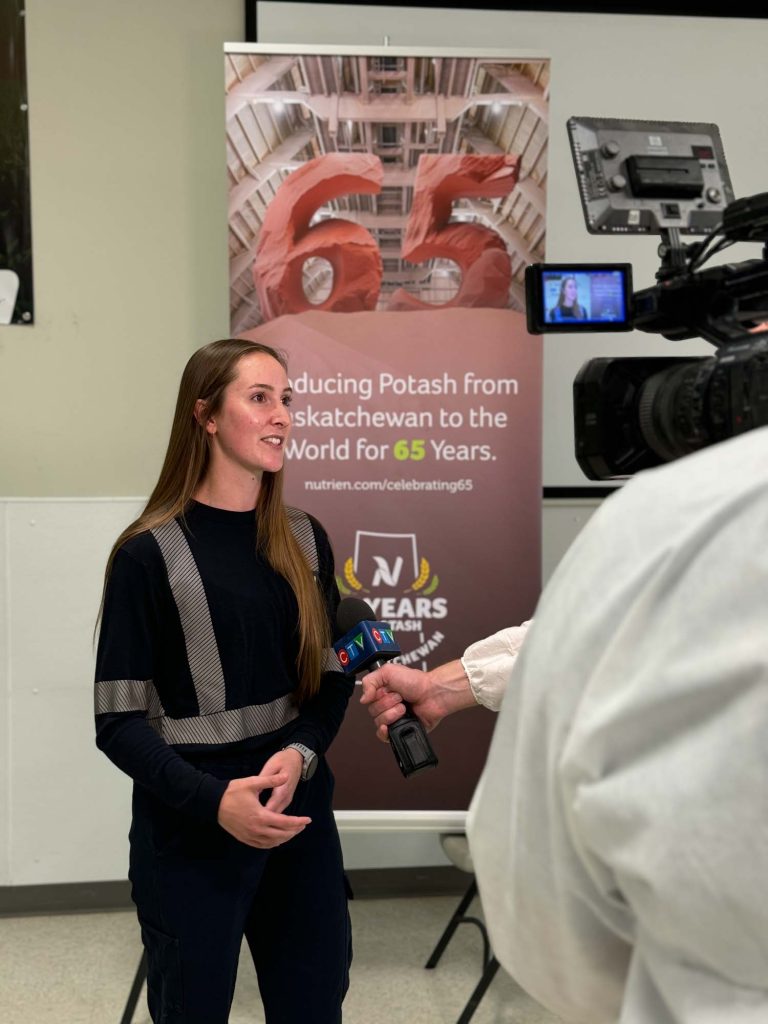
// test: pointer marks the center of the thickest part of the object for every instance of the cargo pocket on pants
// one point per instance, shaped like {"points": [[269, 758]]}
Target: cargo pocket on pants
{"points": [[164, 991], [350, 896]]}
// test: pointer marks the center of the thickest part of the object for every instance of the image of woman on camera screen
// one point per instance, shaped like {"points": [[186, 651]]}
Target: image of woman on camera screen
{"points": [[567, 306]]}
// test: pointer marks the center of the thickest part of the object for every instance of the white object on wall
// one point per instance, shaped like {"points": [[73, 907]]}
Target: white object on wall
{"points": [[9, 289]]}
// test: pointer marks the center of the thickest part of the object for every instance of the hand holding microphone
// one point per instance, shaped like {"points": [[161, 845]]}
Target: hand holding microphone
{"points": [[366, 644], [392, 689]]}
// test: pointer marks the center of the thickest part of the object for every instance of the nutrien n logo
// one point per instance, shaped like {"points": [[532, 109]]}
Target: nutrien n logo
{"points": [[388, 570]]}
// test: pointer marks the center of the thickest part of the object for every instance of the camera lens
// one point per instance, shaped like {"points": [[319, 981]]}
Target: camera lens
{"points": [[671, 407]]}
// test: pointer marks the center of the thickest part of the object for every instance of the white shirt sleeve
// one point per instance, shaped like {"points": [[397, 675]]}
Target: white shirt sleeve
{"points": [[489, 663]]}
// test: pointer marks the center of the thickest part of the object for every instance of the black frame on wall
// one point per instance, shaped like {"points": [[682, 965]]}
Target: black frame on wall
{"points": [[15, 203], [710, 9]]}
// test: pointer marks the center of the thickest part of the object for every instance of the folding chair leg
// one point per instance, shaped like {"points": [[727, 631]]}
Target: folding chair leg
{"points": [[488, 975], [136, 987], [484, 933], [452, 925]]}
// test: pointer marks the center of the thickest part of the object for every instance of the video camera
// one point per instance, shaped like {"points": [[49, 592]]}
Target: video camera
{"points": [[669, 179]]}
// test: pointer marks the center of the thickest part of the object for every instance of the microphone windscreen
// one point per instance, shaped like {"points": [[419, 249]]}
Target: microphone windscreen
{"points": [[351, 611]]}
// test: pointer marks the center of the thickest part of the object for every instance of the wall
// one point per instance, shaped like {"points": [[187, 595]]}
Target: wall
{"points": [[129, 221], [129, 238], [128, 203], [130, 264]]}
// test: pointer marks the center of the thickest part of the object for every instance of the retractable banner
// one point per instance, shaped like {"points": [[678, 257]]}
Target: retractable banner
{"points": [[383, 206]]}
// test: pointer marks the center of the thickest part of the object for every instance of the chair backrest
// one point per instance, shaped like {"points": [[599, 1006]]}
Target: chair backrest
{"points": [[456, 847]]}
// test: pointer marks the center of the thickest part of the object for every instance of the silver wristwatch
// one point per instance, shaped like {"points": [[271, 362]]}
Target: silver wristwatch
{"points": [[310, 760]]}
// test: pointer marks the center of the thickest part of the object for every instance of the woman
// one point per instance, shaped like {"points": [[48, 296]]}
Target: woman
{"points": [[211, 695], [567, 306]]}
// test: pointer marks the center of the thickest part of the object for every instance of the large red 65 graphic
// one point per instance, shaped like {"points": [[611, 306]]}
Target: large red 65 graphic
{"points": [[480, 253], [287, 240]]}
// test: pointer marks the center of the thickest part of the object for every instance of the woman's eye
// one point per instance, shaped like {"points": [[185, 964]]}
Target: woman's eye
{"points": [[287, 399], [258, 396]]}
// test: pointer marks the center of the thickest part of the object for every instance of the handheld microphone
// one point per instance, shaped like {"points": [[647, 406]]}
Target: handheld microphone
{"points": [[364, 646]]}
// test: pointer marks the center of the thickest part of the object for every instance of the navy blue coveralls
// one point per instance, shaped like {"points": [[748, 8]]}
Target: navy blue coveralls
{"points": [[195, 677]]}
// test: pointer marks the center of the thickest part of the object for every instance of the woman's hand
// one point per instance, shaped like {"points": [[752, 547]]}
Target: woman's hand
{"points": [[243, 815], [288, 762]]}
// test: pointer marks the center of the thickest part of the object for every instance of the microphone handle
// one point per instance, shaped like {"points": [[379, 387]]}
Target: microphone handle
{"points": [[409, 741]]}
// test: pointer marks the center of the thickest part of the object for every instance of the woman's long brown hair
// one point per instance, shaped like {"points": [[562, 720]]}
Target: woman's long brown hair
{"points": [[206, 377]]}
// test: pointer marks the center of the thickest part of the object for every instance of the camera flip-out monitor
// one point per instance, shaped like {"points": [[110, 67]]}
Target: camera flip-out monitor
{"points": [[572, 297]]}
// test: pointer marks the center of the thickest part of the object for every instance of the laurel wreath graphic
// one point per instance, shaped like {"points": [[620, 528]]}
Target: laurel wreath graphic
{"points": [[432, 586], [349, 575], [423, 576], [420, 582]]}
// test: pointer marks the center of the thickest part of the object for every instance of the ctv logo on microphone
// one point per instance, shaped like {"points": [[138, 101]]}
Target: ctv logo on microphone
{"points": [[351, 652], [370, 639]]}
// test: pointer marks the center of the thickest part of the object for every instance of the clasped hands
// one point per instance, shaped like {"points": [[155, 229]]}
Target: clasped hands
{"points": [[263, 825], [431, 695]]}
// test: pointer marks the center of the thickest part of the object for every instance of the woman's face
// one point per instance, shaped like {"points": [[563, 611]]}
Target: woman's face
{"points": [[570, 293], [250, 430]]}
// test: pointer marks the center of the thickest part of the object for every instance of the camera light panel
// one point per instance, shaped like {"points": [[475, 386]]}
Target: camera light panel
{"points": [[646, 177]]}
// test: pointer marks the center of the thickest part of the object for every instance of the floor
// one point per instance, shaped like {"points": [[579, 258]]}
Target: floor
{"points": [[78, 968]]}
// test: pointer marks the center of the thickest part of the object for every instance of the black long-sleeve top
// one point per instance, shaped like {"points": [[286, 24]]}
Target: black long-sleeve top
{"points": [[197, 654]]}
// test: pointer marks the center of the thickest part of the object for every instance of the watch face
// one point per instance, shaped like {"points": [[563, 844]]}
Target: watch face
{"points": [[310, 760], [310, 766]]}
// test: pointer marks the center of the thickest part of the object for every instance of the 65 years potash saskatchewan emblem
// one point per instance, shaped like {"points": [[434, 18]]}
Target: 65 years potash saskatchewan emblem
{"points": [[389, 572]]}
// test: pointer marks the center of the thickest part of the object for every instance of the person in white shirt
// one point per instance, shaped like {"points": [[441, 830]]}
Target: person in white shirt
{"points": [[620, 829]]}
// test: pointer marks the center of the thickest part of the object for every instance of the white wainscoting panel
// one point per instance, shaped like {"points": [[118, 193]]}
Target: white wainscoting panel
{"points": [[64, 809], [68, 806]]}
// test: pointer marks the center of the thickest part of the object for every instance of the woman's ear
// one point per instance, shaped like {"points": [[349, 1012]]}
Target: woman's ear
{"points": [[201, 417]]}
